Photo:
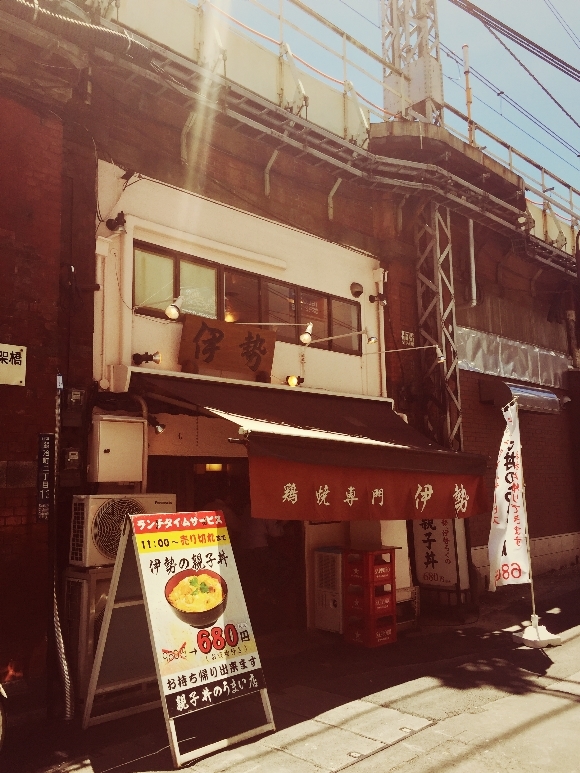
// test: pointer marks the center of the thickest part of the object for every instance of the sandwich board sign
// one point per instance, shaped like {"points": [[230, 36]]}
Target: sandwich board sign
{"points": [[176, 616]]}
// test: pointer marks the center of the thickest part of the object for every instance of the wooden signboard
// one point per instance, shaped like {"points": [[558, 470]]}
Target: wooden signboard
{"points": [[176, 615], [242, 351]]}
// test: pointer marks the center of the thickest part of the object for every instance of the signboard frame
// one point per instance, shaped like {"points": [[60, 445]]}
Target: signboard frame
{"points": [[124, 597], [12, 365]]}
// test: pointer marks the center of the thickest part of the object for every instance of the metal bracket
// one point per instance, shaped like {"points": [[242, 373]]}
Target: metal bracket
{"points": [[269, 165], [187, 127], [300, 98], [533, 281], [331, 197], [223, 54], [560, 240], [400, 206], [362, 135]]}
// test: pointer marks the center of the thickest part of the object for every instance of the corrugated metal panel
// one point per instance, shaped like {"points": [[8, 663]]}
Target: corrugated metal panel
{"points": [[498, 356]]}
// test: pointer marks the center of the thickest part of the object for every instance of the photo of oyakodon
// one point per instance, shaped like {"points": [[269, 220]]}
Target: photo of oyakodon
{"points": [[197, 597]]}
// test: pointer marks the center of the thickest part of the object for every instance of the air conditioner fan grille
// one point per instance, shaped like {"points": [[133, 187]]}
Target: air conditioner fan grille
{"points": [[108, 524]]}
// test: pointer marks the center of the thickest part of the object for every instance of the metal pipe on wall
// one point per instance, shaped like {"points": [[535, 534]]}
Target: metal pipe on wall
{"points": [[472, 301], [145, 457], [69, 708], [380, 276]]}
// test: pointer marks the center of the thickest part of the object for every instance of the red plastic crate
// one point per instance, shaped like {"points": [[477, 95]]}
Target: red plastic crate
{"points": [[367, 602], [368, 635], [360, 566]]}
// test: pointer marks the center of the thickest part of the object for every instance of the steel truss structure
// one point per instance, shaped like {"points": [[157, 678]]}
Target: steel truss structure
{"points": [[436, 308], [410, 43]]}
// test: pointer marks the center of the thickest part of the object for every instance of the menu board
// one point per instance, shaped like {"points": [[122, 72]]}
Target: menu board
{"points": [[202, 636], [176, 596]]}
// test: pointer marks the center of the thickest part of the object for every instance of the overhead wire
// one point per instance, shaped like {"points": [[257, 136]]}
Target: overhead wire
{"points": [[534, 48], [526, 113], [531, 74], [512, 102], [517, 126], [564, 24]]}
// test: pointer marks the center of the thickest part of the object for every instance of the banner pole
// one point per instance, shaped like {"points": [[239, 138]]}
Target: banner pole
{"points": [[534, 615], [543, 638]]}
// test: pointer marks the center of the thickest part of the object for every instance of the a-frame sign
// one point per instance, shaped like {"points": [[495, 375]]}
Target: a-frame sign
{"points": [[176, 630]]}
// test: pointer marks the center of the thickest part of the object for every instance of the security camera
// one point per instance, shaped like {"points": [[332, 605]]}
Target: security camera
{"points": [[356, 290]]}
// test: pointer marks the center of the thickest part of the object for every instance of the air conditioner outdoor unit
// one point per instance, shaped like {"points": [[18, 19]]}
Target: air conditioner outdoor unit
{"points": [[85, 597], [328, 589], [97, 523]]}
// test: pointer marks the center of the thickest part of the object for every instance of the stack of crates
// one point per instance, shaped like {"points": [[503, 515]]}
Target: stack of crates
{"points": [[369, 596]]}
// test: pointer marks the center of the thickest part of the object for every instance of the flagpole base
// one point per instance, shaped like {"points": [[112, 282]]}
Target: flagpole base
{"points": [[536, 636]]}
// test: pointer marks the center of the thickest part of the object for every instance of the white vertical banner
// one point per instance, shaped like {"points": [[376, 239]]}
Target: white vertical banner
{"points": [[509, 560]]}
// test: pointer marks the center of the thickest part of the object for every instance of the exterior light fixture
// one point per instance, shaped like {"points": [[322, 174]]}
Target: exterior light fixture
{"points": [[157, 425], [214, 467], [306, 336], [174, 309], [294, 381], [380, 297], [117, 223], [139, 359]]}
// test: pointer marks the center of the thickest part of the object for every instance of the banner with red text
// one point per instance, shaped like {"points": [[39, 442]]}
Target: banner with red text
{"points": [[509, 561]]}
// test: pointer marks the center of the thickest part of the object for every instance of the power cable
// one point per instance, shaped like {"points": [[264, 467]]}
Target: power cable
{"points": [[531, 74], [498, 92], [492, 23], [526, 113], [564, 24], [358, 13], [517, 126]]}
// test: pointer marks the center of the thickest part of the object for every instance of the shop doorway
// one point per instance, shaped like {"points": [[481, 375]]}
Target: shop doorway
{"points": [[269, 554]]}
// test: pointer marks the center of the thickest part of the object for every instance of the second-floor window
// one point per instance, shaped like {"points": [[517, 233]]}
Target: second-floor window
{"points": [[218, 292]]}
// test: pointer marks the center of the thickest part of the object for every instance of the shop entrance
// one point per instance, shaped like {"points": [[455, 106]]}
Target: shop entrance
{"points": [[269, 554]]}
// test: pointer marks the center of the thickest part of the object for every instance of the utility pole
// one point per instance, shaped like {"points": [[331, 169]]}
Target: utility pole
{"points": [[410, 42]]}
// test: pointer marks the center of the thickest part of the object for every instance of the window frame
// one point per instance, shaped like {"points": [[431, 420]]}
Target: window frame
{"points": [[220, 270]]}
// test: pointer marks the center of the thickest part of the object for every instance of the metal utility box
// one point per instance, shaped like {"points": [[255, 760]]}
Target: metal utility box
{"points": [[328, 615], [116, 449]]}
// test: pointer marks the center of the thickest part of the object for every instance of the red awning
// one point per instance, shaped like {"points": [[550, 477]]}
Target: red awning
{"points": [[323, 457], [318, 492]]}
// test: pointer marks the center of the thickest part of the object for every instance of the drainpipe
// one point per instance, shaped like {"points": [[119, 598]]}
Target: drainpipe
{"points": [[69, 706], [145, 459], [125, 276], [380, 276], [472, 277]]}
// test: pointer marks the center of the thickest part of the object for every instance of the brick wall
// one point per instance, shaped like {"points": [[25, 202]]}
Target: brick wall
{"points": [[547, 458], [227, 166], [30, 182]]}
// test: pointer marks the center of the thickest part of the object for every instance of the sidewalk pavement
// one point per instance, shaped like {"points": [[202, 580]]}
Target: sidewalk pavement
{"points": [[452, 696], [481, 717]]}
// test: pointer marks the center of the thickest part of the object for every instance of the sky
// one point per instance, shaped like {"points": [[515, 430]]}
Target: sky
{"points": [[532, 18]]}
